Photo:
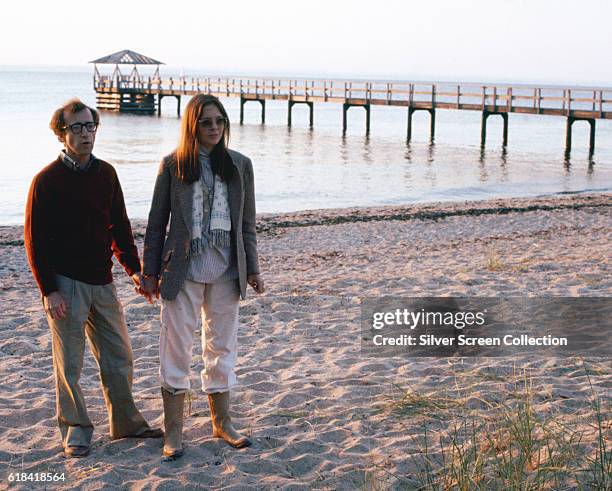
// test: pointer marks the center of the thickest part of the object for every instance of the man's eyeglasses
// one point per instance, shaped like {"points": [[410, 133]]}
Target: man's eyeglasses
{"points": [[208, 123], [77, 128]]}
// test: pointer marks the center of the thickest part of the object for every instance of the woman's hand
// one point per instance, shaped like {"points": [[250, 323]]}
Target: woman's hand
{"points": [[257, 282], [150, 287]]}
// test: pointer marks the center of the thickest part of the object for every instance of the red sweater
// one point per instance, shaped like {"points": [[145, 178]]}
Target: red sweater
{"points": [[74, 222]]}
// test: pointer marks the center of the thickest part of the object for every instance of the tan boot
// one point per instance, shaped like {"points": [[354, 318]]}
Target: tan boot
{"points": [[173, 423], [222, 424]]}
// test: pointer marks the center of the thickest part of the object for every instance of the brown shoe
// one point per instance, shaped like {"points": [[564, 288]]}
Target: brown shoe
{"points": [[145, 432], [173, 424], [149, 433], [222, 424], [76, 451]]}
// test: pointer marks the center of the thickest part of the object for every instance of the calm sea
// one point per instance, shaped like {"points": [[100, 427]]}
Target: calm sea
{"points": [[297, 168]]}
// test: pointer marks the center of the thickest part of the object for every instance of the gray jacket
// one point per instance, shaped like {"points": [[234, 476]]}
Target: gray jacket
{"points": [[168, 257]]}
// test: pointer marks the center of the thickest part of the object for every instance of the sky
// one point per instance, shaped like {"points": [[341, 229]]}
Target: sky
{"points": [[537, 41]]}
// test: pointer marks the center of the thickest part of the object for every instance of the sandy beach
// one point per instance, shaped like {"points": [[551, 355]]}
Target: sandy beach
{"points": [[321, 414]]}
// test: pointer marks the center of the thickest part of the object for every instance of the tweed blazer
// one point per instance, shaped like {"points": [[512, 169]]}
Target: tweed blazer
{"points": [[168, 256]]}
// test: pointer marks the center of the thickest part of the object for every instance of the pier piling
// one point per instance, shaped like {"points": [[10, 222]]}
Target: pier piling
{"points": [[432, 122], [244, 100], [483, 127], [568, 133], [346, 106], [178, 103], [290, 107]]}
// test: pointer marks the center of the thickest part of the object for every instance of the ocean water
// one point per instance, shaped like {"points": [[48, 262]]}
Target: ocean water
{"points": [[298, 168]]}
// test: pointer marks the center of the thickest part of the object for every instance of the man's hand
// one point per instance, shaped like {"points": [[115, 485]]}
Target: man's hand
{"points": [[55, 305], [139, 284], [138, 280], [257, 282]]}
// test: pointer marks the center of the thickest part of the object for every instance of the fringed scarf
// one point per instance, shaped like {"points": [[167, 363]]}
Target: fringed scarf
{"points": [[215, 227]]}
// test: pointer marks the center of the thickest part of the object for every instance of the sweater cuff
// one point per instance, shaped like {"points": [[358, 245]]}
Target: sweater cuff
{"points": [[49, 286], [132, 268]]}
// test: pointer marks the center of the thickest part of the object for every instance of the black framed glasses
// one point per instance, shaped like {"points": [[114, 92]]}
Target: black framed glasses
{"points": [[77, 128], [208, 122]]}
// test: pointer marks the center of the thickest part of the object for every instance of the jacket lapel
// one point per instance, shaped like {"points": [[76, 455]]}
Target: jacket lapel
{"points": [[234, 190], [185, 194]]}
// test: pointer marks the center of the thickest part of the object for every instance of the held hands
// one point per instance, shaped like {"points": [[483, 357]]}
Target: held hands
{"points": [[55, 305], [257, 282], [147, 286], [151, 287]]}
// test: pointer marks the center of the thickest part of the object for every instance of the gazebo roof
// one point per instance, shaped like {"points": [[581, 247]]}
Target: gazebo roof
{"points": [[127, 57]]}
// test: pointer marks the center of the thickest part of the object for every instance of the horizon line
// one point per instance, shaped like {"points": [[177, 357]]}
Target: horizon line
{"points": [[424, 79]]}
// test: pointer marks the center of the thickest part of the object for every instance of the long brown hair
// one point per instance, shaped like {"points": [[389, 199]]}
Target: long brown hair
{"points": [[187, 150]]}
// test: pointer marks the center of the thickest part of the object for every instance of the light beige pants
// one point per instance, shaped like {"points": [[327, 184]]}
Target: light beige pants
{"points": [[94, 311], [218, 304]]}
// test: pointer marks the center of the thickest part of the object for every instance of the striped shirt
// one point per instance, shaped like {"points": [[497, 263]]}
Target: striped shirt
{"points": [[214, 264]]}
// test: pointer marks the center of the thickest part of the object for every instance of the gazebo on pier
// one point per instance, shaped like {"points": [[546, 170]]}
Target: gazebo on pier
{"points": [[119, 92]]}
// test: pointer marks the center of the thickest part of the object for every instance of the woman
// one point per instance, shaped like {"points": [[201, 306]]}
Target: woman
{"points": [[204, 264]]}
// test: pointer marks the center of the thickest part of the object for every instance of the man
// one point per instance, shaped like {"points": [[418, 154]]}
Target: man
{"points": [[75, 221]]}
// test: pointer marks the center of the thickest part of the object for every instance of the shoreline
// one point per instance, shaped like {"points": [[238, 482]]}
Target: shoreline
{"points": [[435, 210]]}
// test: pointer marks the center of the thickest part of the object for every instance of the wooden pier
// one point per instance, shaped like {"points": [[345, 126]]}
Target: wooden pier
{"points": [[572, 103]]}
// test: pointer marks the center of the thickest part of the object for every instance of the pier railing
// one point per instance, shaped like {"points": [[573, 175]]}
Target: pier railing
{"points": [[589, 102], [144, 94]]}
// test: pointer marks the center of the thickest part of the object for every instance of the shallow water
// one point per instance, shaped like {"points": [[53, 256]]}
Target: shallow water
{"points": [[298, 168]]}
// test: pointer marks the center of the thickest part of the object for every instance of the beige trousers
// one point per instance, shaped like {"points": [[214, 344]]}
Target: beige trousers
{"points": [[95, 312], [218, 304]]}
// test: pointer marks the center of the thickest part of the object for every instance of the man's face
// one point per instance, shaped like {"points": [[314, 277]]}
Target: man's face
{"points": [[80, 144]]}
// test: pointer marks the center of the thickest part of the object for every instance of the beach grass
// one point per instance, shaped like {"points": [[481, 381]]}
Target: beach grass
{"points": [[407, 402], [494, 262], [599, 470], [515, 447]]}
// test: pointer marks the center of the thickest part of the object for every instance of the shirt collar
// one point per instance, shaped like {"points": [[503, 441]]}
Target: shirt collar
{"points": [[72, 164], [204, 154]]}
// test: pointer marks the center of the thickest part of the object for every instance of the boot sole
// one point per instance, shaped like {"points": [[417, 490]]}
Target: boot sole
{"points": [[240, 444], [169, 457]]}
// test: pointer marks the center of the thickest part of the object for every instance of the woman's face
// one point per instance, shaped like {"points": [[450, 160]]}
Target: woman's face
{"points": [[210, 127]]}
